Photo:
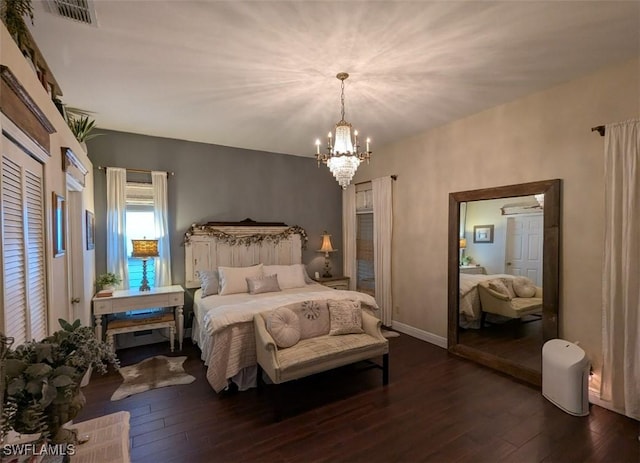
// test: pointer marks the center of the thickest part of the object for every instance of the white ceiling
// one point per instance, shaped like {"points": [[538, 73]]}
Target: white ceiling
{"points": [[261, 75]]}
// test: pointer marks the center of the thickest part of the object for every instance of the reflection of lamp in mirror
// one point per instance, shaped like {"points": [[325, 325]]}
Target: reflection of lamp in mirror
{"points": [[463, 245], [540, 199], [144, 249], [326, 248]]}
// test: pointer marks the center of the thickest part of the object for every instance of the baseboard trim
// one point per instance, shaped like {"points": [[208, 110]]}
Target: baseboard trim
{"points": [[420, 334]]}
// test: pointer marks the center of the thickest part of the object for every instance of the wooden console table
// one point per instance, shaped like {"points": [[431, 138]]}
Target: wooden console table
{"points": [[133, 299]]}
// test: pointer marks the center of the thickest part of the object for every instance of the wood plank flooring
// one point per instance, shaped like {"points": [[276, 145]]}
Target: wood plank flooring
{"points": [[436, 408]]}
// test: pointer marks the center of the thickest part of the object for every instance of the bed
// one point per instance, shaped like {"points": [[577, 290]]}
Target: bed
{"points": [[223, 323], [469, 300]]}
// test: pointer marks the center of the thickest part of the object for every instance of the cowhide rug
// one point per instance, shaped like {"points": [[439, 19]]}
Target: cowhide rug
{"points": [[152, 373]]}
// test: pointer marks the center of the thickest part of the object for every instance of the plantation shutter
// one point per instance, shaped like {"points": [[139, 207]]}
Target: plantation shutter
{"points": [[366, 281], [23, 260]]}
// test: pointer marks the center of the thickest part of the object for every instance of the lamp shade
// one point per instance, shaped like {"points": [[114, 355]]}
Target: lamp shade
{"points": [[326, 243], [144, 248], [463, 243]]}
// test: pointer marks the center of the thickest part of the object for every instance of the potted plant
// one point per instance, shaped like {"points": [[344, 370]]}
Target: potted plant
{"points": [[42, 381], [108, 280], [81, 126]]}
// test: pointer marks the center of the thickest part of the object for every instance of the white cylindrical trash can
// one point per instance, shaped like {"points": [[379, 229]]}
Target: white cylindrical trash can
{"points": [[565, 376]]}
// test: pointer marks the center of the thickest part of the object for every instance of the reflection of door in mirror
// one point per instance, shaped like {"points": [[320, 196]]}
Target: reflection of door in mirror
{"points": [[500, 312]]}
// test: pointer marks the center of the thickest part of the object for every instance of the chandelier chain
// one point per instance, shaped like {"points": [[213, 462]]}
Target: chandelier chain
{"points": [[342, 99]]}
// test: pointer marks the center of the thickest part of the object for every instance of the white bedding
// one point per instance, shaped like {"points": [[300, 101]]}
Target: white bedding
{"points": [[223, 327]]}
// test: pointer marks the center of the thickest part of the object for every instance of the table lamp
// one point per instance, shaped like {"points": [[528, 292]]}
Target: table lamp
{"points": [[463, 245], [326, 248], [144, 249]]}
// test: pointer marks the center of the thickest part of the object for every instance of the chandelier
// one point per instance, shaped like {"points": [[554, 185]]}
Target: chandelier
{"points": [[342, 156]]}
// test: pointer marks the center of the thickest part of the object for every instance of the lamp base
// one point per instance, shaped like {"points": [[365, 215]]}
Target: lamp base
{"points": [[144, 283], [327, 267]]}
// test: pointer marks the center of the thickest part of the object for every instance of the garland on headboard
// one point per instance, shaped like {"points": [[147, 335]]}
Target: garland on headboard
{"points": [[246, 240]]}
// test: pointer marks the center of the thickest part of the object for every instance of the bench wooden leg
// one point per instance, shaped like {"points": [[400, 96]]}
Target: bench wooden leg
{"points": [[385, 369]]}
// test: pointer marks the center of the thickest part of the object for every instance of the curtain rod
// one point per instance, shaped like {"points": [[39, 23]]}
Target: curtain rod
{"points": [[393, 177], [138, 171], [599, 128]]}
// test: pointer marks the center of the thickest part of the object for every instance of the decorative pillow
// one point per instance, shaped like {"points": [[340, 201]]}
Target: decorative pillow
{"points": [[508, 283], [233, 280], [313, 316], [345, 317], [524, 287], [265, 284], [499, 287], [284, 327], [289, 276], [208, 282]]}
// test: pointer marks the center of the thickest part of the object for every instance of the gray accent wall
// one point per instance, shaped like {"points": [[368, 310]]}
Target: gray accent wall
{"points": [[219, 183]]}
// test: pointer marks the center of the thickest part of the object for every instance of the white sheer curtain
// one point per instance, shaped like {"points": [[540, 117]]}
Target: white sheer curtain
{"points": [[349, 235], [382, 230], [161, 224], [116, 224], [621, 275]]}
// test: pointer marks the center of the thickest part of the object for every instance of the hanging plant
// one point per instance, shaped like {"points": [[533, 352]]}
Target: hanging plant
{"points": [[12, 13]]}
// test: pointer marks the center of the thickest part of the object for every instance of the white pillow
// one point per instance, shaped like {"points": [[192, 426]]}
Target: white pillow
{"points": [[233, 280], [289, 276]]}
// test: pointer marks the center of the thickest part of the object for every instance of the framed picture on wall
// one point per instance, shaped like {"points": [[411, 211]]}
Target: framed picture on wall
{"points": [[483, 233], [59, 231], [91, 229]]}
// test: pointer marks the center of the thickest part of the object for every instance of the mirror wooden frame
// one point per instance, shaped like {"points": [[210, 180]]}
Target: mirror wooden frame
{"points": [[550, 275]]}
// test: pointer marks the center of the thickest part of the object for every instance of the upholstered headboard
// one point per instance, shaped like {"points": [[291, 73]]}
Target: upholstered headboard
{"points": [[240, 244]]}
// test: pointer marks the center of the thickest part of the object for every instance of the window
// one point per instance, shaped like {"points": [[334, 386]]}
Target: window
{"points": [[140, 225], [365, 273]]}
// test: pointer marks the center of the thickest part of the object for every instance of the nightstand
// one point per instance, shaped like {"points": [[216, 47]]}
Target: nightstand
{"points": [[473, 269], [334, 282]]}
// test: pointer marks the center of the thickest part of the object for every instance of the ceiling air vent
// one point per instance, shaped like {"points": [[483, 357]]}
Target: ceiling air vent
{"points": [[76, 10]]}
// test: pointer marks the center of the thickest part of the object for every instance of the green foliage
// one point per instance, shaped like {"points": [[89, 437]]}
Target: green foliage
{"points": [[42, 378], [81, 127], [108, 279], [12, 13]]}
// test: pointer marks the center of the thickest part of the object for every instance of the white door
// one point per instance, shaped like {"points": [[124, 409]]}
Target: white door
{"points": [[524, 247], [75, 254]]}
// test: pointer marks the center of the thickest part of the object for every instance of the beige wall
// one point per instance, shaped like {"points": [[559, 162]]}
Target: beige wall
{"points": [[55, 180], [542, 136]]}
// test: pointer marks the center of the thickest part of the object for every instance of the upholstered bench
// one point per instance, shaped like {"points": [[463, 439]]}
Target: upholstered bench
{"points": [[305, 338], [133, 324]]}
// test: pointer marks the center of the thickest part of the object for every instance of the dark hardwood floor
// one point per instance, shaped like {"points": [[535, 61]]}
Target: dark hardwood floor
{"points": [[436, 408]]}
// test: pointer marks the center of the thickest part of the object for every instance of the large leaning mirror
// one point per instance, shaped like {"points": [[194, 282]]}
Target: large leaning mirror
{"points": [[504, 247]]}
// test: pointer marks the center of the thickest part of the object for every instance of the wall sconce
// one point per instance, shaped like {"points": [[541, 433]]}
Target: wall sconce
{"points": [[326, 248], [144, 249]]}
